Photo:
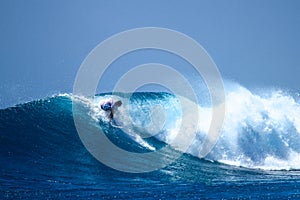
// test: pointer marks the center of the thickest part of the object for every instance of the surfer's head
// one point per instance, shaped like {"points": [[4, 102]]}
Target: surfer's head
{"points": [[106, 106]]}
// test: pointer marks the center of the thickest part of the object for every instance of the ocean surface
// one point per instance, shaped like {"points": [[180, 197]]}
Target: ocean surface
{"points": [[256, 157]]}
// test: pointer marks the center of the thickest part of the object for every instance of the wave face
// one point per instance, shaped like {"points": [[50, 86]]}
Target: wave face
{"points": [[39, 140]]}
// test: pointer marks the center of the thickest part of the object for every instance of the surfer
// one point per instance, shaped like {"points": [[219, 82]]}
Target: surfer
{"points": [[111, 106]]}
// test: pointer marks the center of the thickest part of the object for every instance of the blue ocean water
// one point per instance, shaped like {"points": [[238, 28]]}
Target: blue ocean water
{"points": [[256, 157]]}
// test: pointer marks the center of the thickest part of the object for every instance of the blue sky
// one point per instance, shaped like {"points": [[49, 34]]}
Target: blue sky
{"points": [[43, 43]]}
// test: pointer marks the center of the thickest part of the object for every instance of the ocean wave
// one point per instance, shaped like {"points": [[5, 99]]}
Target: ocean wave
{"points": [[259, 131]]}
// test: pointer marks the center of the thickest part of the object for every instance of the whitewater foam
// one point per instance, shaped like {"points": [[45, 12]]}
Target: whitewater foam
{"points": [[260, 131]]}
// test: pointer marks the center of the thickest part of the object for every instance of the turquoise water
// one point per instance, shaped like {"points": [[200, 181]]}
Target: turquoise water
{"points": [[257, 156]]}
